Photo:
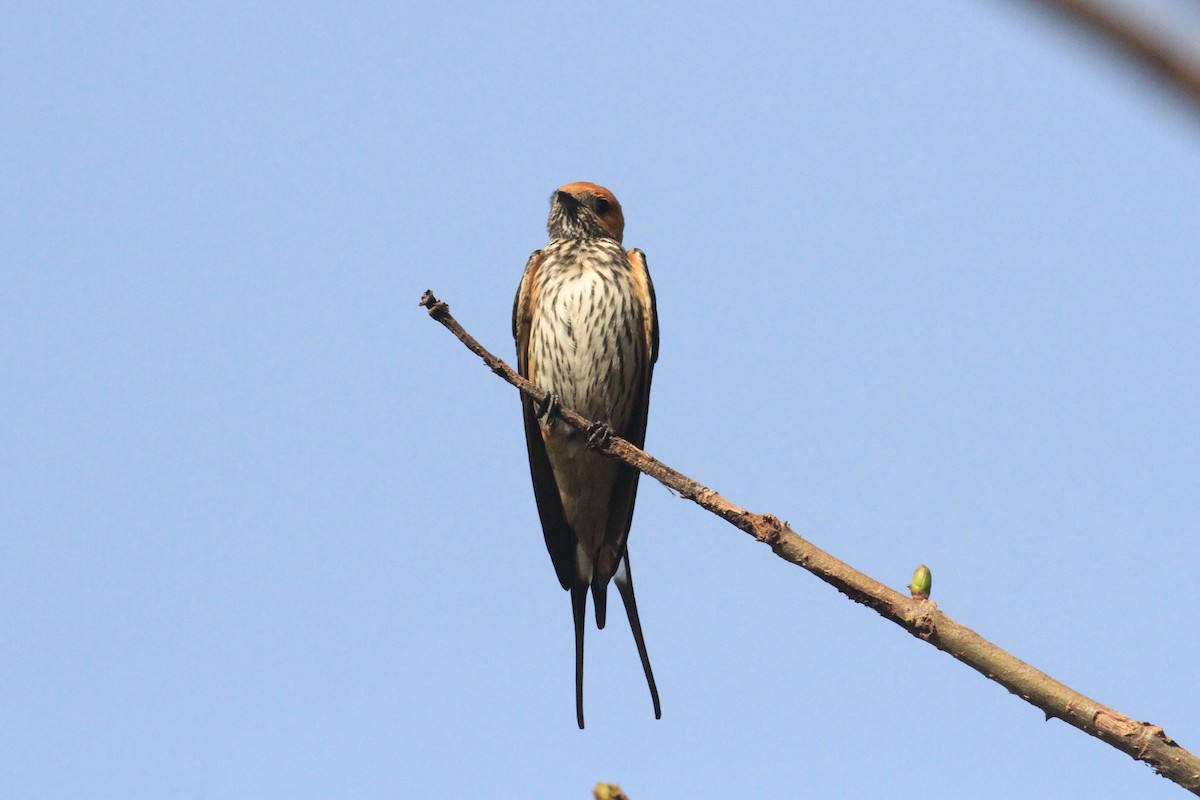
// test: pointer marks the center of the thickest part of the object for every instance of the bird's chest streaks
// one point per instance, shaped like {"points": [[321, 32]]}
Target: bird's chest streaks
{"points": [[583, 336]]}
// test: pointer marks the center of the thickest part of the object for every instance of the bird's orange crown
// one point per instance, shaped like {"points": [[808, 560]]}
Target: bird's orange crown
{"points": [[599, 202]]}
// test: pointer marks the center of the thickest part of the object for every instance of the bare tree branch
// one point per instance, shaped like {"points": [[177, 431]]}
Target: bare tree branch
{"points": [[1171, 64], [1141, 740]]}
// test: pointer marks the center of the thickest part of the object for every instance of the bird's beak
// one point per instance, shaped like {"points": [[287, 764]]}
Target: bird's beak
{"points": [[566, 199]]}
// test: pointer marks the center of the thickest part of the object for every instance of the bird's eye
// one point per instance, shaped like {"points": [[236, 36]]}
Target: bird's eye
{"points": [[602, 206]]}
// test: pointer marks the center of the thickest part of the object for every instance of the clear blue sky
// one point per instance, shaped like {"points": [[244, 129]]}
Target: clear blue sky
{"points": [[928, 285]]}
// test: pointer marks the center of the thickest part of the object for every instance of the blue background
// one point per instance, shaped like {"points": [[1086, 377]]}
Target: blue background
{"points": [[928, 286]]}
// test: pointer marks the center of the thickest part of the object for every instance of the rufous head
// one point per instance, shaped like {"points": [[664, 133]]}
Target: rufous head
{"points": [[583, 210]]}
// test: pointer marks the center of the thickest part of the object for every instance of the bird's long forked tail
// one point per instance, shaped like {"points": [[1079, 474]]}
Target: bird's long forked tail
{"points": [[579, 611], [624, 581]]}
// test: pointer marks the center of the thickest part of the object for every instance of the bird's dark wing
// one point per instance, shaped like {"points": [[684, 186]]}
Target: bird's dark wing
{"points": [[625, 487], [560, 540], [624, 493]]}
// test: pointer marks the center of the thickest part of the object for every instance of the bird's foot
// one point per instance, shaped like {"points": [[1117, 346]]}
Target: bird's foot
{"points": [[548, 408], [599, 435]]}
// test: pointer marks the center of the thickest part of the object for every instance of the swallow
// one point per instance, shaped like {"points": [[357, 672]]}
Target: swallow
{"points": [[586, 331]]}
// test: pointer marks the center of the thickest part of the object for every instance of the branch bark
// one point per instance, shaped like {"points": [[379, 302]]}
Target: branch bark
{"points": [[1169, 63], [1142, 741]]}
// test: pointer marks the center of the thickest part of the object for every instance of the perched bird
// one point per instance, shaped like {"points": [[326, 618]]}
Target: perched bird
{"points": [[587, 332]]}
